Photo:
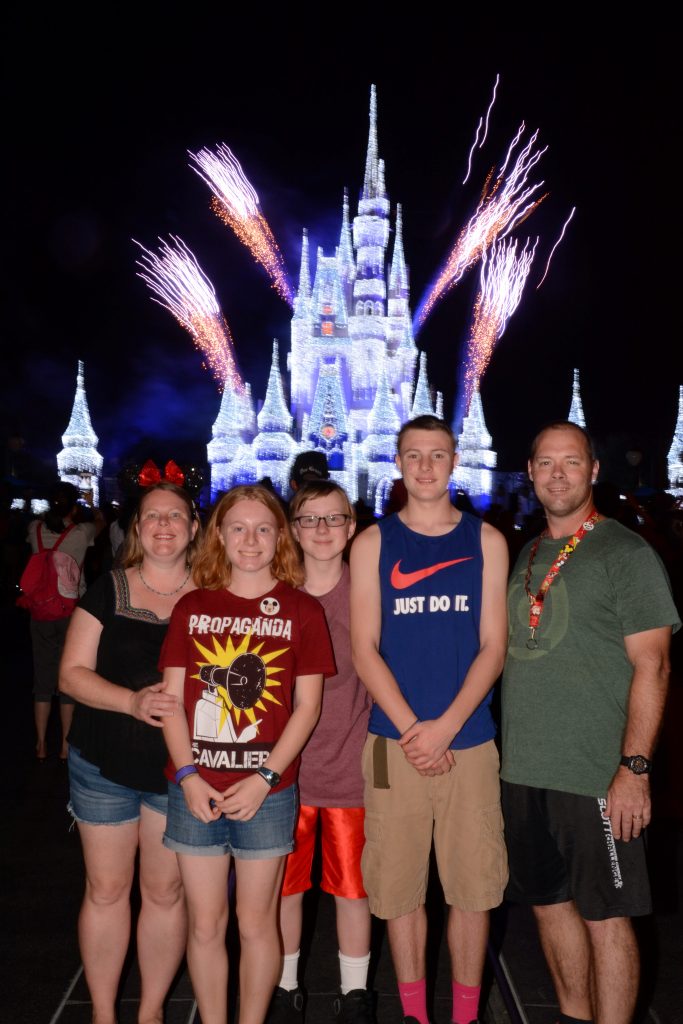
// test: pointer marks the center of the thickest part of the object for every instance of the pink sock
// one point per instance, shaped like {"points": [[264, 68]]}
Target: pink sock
{"points": [[465, 1003], [414, 1000]]}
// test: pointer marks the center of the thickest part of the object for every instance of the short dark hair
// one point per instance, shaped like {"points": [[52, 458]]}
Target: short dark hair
{"points": [[563, 425], [311, 465], [425, 423]]}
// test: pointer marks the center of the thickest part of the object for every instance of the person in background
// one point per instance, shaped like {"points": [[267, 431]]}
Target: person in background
{"points": [[308, 467], [60, 525]]}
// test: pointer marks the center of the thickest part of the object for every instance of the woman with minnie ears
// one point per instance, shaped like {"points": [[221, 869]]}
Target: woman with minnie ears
{"points": [[117, 753], [246, 655]]}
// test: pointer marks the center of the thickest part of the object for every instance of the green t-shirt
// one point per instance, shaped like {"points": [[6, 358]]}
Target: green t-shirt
{"points": [[565, 703]]}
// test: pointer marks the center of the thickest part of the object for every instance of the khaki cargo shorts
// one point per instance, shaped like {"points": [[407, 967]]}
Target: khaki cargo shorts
{"points": [[404, 811]]}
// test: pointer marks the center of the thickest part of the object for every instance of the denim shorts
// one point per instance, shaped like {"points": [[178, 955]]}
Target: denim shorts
{"points": [[94, 800], [270, 833]]}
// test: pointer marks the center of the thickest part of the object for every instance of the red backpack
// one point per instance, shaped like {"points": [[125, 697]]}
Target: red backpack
{"points": [[50, 581]]}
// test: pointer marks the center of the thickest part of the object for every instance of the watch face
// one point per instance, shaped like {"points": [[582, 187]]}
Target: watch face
{"points": [[271, 777], [639, 765]]}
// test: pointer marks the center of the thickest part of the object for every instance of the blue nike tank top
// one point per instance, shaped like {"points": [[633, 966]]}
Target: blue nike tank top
{"points": [[431, 608]]}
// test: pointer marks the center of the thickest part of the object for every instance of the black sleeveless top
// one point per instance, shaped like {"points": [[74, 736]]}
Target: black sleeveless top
{"points": [[125, 750]]}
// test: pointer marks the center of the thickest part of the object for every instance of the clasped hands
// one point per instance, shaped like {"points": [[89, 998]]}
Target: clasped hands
{"points": [[426, 747], [239, 802]]}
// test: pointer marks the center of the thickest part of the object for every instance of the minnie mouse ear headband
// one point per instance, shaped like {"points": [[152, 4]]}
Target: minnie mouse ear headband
{"points": [[150, 475], [132, 477]]}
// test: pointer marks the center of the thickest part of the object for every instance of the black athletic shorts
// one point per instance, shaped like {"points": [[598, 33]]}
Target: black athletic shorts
{"points": [[561, 847]]}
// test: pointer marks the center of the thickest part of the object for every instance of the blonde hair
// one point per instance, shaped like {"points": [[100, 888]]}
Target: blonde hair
{"points": [[132, 553], [213, 571]]}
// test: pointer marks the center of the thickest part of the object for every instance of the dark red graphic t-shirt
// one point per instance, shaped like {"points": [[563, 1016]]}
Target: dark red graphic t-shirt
{"points": [[241, 658]]}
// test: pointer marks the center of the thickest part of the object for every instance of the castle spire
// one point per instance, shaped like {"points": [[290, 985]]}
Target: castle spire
{"points": [[381, 186], [371, 171], [274, 414], [576, 409], [345, 260], [675, 456], [398, 275], [383, 418], [422, 400], [79, 462], [303, 295], [304, 270]]}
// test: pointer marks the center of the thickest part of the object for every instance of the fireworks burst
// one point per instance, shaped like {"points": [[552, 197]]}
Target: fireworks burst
{"points": [[237, 205], [502, 206], [184, 289], [552, 251], [503, 275]]}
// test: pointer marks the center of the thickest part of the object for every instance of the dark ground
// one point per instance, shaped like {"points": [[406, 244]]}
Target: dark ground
{"points": [[42, 878]]}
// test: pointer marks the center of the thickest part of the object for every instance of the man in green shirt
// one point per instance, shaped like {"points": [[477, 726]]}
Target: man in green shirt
{"points": [[584, 686]]}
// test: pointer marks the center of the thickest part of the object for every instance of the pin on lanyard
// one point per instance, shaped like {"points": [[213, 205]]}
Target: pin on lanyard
{"points": [[566, 551]]}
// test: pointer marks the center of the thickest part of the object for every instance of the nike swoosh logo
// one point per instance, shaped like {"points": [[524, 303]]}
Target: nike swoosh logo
{"points": [[401, 580]]}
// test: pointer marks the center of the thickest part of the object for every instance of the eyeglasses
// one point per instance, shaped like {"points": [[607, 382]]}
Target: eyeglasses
{"points": [[332, 519]]}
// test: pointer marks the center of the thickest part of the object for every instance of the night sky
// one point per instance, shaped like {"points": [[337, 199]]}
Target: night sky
{"points": [[97, 128]]}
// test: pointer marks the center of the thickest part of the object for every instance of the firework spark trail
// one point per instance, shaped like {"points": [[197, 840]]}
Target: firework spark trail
{"points": [[503, 275], [237, 204], [482, 121], [184, 289], [504, 205], [474, 146], [552, 251]]}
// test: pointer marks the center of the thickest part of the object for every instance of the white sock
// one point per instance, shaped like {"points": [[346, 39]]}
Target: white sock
{"points": [[354, 972], [290, 971]]}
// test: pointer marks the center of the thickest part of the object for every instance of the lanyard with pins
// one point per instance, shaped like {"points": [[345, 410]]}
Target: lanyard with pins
{"points": [[536, 600]]}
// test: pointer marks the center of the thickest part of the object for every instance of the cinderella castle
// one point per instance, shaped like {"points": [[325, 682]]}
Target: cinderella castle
{"points": [[354, 369], [355, 375]]}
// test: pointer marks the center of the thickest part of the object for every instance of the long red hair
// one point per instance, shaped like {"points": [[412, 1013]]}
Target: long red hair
{"points": [[213, 571]]}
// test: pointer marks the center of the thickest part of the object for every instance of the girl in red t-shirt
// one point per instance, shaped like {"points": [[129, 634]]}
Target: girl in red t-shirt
{"points": [[246, 656]]}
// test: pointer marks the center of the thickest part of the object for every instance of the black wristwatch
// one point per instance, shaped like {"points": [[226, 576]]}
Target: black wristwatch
{"points": [[637, 764], [271, 777]]}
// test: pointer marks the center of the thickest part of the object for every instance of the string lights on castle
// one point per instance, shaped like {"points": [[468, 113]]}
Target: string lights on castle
{"points": [[79, 462], [352, 362]]}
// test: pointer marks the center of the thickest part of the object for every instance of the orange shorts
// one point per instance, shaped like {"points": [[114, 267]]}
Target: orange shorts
{"points": [[342, 845]]}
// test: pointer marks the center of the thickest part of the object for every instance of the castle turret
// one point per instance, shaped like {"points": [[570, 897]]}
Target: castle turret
{"points": [[368, 325], [476, 457], [675, 456], [229, 452], [422, 400], [399, 288], [79, 462], [576, 409], [345, 260], [379, 447], [303, 294], [274, 446]]}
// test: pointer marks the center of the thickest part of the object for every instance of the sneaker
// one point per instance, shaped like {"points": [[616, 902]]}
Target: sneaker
{"points": [[356, 1007], [286, 1007]]}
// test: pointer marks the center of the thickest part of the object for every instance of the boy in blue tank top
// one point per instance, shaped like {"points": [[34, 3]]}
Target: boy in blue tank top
{"points": [[428, 631]]}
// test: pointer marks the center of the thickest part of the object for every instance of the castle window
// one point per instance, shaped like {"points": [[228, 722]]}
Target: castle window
{"points": [[368, 308], [327, 309], [327, 329], [378, 309], [359, 308]]}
